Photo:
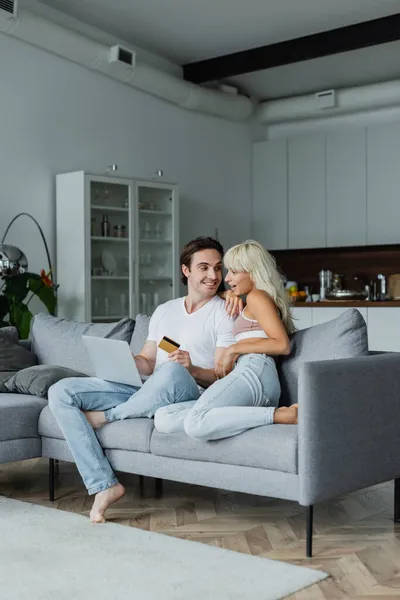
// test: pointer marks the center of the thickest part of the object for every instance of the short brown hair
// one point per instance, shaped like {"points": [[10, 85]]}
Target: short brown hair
{"points": [[200, 243]]}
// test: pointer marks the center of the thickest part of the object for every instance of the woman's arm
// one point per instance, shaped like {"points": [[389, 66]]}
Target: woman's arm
{"points": [[263, 309]]}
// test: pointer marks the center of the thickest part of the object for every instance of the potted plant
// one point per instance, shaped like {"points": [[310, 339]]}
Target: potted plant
{"points": [[16, 293]]}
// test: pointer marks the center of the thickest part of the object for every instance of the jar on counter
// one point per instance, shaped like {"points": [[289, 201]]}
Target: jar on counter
{"points": [[120, 231]]}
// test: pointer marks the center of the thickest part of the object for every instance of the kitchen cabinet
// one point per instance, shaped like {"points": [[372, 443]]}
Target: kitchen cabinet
{"points": [[337, 188], [346, 188], [270, 210], [383, 183], [384, 329], [302, 317], [307, 191]]}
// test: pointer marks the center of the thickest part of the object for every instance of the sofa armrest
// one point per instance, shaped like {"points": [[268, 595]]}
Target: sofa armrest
{"points": [[349, 425]]}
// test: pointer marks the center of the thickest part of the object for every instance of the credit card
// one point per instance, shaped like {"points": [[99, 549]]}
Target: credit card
{"points": [[168, 345]]}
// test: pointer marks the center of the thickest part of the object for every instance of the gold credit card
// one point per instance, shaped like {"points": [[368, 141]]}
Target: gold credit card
{"points": [[168, 345]]}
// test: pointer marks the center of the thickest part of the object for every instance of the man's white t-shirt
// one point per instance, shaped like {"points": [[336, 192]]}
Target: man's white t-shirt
{"points": [[199, 333]]}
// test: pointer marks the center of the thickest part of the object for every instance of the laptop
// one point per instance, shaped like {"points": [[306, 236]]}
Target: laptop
{"points": [[112, 360]]}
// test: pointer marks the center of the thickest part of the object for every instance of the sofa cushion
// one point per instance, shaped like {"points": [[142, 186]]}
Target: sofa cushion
{"points": [[129, 434], [37, 380], [270, 447], [19, 415], [59, 341], [343, 337]]}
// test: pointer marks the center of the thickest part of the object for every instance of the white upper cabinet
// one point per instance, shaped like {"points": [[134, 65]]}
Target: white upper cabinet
{"points": [[346, 188], [307, 191], [270, 210], [383, 168], [302, 317]]}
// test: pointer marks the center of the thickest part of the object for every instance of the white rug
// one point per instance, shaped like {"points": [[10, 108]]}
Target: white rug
{"points": [[48, 554]]}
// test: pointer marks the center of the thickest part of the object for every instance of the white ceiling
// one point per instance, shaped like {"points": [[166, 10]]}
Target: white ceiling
{"points": [[190, 30]]}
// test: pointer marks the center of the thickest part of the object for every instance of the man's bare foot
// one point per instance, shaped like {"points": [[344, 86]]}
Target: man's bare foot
{"points": [[96, 418], [287, 415], [103, 500]]}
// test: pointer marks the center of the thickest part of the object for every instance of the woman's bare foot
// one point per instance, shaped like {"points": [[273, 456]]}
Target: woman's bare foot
{"points": [[96, 418], [287, 415], [103, 500]]}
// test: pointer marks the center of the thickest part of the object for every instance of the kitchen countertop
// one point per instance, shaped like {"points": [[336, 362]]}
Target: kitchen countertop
{"points": [[348, 303]]}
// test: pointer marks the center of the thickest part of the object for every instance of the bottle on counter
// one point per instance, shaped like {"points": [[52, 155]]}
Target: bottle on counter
{"points": [[325, 282], [382, 292], [105, 226]]}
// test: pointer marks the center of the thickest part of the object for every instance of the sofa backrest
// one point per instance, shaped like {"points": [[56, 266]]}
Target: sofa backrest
{"points": [[59, 342], [343, 337], [139, 335]]}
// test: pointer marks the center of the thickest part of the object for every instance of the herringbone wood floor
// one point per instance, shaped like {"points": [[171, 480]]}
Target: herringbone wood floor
{"points": [[355, 539]]}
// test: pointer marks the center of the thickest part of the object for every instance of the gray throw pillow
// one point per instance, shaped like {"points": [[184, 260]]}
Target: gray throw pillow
{"points": [[59, 342], [343, 337], [37, 380], [10, 333], [13, 357]]}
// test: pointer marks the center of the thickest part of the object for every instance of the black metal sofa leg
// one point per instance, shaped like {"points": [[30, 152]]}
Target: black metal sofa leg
{"points": [[310, 510], [396, 516], [159, 488], [51, 479]]}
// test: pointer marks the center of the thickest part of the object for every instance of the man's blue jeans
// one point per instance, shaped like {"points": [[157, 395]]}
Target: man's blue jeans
{"points": [[69, 397]]}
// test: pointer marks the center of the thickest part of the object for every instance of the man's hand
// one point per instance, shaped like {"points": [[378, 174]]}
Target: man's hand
{"points": [[182, 357], [233, 304], [226, 364]]}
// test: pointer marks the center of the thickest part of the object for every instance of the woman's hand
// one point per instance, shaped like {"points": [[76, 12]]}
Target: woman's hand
{"points": [[233, 304], [226, 364]]}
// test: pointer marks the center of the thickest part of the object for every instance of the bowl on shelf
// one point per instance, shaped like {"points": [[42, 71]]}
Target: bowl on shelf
{"points": [[296, 297]]}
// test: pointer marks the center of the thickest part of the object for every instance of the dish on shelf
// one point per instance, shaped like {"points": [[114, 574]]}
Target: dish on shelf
{"points": [[108, 261], [342, 295]]}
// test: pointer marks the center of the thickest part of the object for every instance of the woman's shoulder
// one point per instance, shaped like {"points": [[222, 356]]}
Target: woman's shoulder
{"points": [[256, 297]]}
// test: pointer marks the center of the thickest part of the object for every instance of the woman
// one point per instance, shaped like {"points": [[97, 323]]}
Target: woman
{"points": [[247, 392]]}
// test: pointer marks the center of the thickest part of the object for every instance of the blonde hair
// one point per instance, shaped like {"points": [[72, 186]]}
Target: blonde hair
{"points": [[252, 258]]}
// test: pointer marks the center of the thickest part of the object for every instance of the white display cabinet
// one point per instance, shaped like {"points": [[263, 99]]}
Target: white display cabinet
{"points": [[117, 246]]}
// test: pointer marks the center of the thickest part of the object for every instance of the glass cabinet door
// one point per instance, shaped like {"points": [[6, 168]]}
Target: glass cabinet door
{"points": [[157, 239], [112, 229]]}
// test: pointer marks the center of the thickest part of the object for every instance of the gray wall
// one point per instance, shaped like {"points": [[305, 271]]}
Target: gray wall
{"points": [[57, 117]]}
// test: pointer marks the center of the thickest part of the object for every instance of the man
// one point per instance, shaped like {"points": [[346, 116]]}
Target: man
{"points": [[201, 326]]}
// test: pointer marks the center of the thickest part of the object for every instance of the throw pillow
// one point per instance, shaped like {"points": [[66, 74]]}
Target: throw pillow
{"points": [[10, 333], [37, 380], [343, 337], [58, 341], [140, 334], [13, 356]]}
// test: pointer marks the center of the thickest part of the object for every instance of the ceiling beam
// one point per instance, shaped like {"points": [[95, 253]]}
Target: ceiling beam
{"points": [[335, 41]]}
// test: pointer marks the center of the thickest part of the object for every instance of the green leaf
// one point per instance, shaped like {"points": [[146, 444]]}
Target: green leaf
{"points": [[44, 293], [21, 317], [17, 287]]}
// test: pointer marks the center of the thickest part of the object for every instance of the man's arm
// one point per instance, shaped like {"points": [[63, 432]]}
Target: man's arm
{"points": [[146, 359], [206, 377]]}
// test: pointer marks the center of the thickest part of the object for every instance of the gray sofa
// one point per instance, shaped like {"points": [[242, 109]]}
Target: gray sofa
{"points": [[347, 438]]}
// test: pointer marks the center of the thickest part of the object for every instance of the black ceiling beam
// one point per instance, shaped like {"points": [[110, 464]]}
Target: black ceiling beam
{"points": [[335, 41]]}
